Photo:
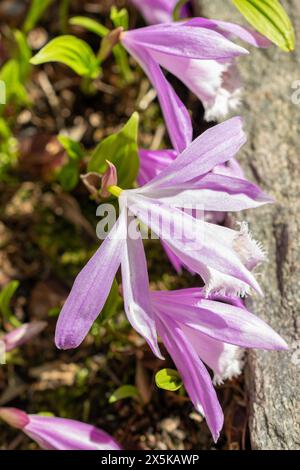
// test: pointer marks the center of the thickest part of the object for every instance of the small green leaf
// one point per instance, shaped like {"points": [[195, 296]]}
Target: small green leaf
{"points": [[168, 379], [69, 176], [6, 295], [15, 90], [125, 391], [269, 18], [72, 52], [89, 24], [121, 149], [72, 147], [119, 17], [24, 55], [36, 11]]}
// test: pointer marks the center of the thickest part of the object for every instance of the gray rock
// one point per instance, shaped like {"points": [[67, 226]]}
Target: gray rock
{"points": [[272, 159]]}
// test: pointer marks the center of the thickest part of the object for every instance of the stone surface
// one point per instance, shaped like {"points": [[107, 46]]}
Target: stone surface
{"points": [[272, 159]]}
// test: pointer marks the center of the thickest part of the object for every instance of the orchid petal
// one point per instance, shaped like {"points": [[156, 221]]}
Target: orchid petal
{"points": [[219, 248], [231, 29], [136, 288], [176, 116], [222, 321], [194, 374], [215, 192], [182, 40], [214, 147], [90, 289]]}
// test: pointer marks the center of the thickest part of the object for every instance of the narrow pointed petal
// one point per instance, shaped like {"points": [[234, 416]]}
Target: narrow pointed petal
{"points": [[223, 322], [22, 335], [90, 289], [216, 192], [231, 29], [182, 40], [199, 245], [194, 374], [136, 288], [176, 116], [215, 146], [52, 433]]}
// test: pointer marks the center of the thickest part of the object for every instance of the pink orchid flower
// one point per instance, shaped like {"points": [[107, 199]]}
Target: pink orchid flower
{"points": [[22, 334], [200, 53], [159, 11], [152, 162], [52, 433], [224, 258], [195, 328]]}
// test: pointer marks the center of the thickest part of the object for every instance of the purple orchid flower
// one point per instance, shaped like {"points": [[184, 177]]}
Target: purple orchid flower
{"points": [[159, 11], [52, 433], [22, 334], [198, 52], [195, 328], [223, 257], [152, 162]]}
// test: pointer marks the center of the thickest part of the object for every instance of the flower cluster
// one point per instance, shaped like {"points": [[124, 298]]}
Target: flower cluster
{"points": [[210, 323], [182, 196]]}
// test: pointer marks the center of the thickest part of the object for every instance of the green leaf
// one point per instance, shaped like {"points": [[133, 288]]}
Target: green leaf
{"points": [[121, 149], [72, 52], [36, 11], [125, 391], [15, 90], [6, 295], [119, 17], [24, 55], [269, 18], [72, 147], [168, 379], [69, 176], [89, 24]]}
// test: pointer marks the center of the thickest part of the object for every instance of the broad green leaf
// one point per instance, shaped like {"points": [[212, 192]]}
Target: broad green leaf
{"points": [[269, 18], [36, 11], [121, 149], [125, 391], [72, 147], [119, 17], [6, 295], [168, 379], [72, 52], [89, 24]]}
